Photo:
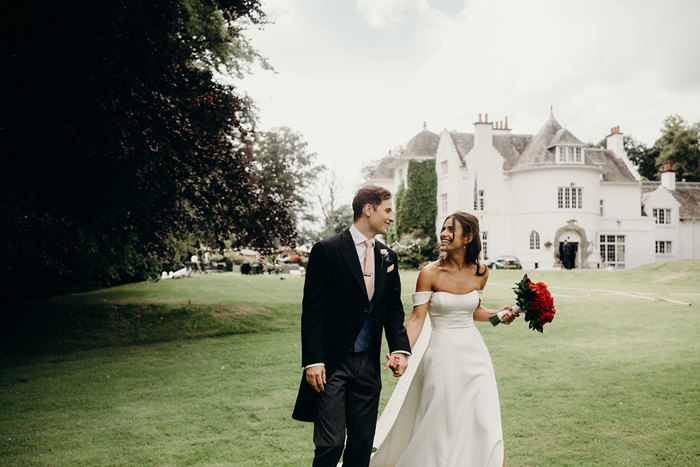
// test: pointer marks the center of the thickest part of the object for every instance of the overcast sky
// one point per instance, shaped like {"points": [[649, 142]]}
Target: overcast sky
{"points": [[359, 77]]}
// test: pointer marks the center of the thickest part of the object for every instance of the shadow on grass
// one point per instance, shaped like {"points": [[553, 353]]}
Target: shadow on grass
{"points": [[63, 327]]}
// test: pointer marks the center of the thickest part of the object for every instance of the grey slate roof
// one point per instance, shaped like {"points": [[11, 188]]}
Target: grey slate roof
{"points": [[519, 151], [536, 152], [384, 169], [614, 169], [686, 193], [423, 145], [464, 142], [564, 137], [540, 152], [510, 147]]}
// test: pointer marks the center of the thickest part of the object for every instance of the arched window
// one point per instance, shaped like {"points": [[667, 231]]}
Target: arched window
{"points": [[534, 240]]}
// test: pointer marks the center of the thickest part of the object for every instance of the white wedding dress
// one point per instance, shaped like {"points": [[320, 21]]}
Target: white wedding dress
{"points": [[444, 410]]}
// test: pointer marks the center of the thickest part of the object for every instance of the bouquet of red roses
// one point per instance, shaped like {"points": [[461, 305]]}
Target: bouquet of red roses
{"points": [[535, 300]]}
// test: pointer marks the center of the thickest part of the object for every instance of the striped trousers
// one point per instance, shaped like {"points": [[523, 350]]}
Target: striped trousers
{"points": [[349, 403]]}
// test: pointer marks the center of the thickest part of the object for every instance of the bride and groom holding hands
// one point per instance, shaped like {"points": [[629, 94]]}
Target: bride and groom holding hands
{"points": [[450, 413]]}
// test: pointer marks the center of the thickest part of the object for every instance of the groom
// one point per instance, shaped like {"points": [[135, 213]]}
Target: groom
{"points": [[352, 291]]}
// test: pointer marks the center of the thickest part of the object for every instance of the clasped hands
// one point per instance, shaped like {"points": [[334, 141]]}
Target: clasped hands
{"points": [[316, 375], [398, 363]]}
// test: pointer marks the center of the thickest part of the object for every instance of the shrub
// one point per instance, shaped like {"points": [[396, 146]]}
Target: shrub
{"points": [[235, 258], [414, 252]]}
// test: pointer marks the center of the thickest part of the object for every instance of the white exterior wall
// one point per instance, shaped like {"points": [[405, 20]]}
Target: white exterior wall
{"points": [[400, 174], [689, 237], [620, 200], [534, 201], [663, 199], [517, 203], [485, 167], [639, 239], [622, 216], [447, 184]]}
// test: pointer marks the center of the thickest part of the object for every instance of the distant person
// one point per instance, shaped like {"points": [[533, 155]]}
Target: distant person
{"points": [[565, 254], [352, 291], [568, 254], [206, 258]]}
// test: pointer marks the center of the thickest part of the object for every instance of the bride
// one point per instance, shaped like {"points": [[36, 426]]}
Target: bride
{"points": [[445, 409]]}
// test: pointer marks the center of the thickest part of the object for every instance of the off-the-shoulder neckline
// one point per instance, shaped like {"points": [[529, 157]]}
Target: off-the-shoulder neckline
{"points": [[450, 293]]}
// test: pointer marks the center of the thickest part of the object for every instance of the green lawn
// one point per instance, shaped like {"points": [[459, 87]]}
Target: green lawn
{"points": [[205, 371]]}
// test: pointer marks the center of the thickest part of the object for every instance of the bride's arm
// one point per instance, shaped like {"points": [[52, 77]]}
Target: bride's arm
{"points": [[414, 325], [482, 313]]}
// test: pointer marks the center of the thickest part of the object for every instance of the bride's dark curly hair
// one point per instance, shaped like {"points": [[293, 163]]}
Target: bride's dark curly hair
{"points": [[470, 226]]}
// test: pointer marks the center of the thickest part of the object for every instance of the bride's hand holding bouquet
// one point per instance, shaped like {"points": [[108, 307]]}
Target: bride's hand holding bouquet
{"points": [[532, 298]]}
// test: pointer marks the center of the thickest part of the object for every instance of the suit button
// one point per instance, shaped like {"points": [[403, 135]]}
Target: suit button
{"points": [[366, 310]]}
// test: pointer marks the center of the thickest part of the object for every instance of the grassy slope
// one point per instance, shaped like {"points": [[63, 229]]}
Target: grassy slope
{"points": [[613, 380]]}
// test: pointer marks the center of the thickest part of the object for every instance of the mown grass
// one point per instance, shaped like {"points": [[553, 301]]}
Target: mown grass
{"points": [[612, 381], [147, 312]]}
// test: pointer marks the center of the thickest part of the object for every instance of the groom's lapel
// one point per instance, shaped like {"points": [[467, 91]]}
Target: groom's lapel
{"points": [[379, 274], [349, 254]]}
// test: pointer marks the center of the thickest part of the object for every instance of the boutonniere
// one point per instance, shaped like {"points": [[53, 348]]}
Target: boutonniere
{"points": [[385, 255]]}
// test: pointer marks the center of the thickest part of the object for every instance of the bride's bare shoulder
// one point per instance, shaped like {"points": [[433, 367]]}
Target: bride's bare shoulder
{"points": [[426, 276], [431, 268]]}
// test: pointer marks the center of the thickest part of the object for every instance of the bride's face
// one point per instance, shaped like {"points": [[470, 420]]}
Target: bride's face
{"points": [[452, 236]]}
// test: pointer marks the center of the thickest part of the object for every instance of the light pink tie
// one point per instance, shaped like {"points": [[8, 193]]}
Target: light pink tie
{"points": [[369, 267]]}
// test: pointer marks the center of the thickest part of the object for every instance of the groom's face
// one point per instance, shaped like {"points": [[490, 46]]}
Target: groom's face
{"points": [[381, 217]]}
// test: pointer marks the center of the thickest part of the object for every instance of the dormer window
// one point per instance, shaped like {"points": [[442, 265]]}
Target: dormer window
{"points": [[569, 154], [662, 216]]}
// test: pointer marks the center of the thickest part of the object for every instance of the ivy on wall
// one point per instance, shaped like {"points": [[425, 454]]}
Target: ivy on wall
{"points": [[417, 205], [416, 209]]}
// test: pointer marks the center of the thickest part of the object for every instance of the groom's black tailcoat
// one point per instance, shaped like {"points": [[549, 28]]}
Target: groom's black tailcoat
{"points": [[335, 307]]}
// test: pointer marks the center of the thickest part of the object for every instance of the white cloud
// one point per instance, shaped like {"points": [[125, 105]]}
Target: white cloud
{"points": [[384, 13], [359, 80]]}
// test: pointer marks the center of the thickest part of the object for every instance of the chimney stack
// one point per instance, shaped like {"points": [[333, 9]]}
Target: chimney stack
{"points": [[616, 143], [668, 178], [483, 131]]}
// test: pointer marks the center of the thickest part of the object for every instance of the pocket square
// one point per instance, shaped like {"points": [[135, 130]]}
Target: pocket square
{"points": [[390, 268]]}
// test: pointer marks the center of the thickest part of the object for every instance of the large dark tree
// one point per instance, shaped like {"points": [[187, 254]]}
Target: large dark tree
{"points": [[679, 146], [286, 166], [642, 157], [116, 140], [416, 208]]}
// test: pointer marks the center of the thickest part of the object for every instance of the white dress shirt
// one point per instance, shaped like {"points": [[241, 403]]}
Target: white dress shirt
{"points": [[358, 239]]}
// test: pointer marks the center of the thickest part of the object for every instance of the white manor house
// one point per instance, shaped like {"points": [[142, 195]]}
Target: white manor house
{"points": [[532, 192]]}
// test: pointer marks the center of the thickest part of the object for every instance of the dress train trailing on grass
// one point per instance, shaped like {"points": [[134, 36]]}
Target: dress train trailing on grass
{"points": [[445, 409]]}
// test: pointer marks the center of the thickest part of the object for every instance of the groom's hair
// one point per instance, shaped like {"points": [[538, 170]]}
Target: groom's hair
{"points": [[370, 194]]}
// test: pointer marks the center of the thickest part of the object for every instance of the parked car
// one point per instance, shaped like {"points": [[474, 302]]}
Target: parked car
{"points": [[504, 262]]}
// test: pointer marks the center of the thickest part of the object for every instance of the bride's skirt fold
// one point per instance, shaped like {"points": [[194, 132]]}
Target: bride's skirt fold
{"points": [[444, 411]]}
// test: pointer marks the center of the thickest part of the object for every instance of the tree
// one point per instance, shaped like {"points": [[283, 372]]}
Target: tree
{"points": [[416, 210], [335, 218], [643, 158], [417, 206], [368, 169], [287, 169], [118, 141], [393, 232], [330, 188], [679, 147]]}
